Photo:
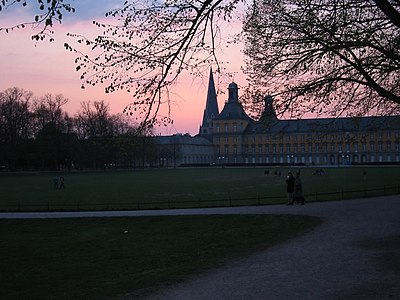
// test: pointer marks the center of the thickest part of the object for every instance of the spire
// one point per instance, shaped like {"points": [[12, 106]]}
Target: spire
{"points": [[211, 111], [211, 102]]}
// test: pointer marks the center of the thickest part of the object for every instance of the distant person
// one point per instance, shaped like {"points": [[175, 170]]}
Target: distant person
{"points": [[298, 190], [290, 187], [55, 183], [62, 186]]}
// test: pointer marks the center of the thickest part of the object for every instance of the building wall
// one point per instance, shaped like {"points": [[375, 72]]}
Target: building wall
{"points": [[228, 139], [319, 148]]}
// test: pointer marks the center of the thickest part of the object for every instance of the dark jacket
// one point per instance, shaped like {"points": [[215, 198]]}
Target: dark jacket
{"points": [[290, 184]]}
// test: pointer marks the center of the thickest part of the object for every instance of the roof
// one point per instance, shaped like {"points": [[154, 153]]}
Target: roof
{"points": [[211, 109], [326, 125], [233, 110]]}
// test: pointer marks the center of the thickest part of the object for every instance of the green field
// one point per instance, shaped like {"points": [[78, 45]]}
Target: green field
{"points": [[113, 258], [192, 187]]}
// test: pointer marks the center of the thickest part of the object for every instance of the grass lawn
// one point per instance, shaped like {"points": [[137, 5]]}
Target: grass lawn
{"points": [[195, 187], [99, 258]]}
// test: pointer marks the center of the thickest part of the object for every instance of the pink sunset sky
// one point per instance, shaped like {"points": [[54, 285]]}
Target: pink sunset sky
{"points": [[48, 68]]}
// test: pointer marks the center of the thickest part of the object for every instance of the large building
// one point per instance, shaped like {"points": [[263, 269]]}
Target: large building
{"points": [[231, 137]]}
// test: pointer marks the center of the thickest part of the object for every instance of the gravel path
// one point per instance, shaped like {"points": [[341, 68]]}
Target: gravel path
{"points": [[354, 254]]}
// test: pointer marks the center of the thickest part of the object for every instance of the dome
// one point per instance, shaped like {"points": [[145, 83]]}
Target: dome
{"points": [[233, 85]]}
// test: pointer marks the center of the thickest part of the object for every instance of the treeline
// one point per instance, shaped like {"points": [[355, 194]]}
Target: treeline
{"points": [[36, 133]]}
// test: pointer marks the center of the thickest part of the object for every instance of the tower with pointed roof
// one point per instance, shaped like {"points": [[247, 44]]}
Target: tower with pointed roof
{"points": [[211, 111]]}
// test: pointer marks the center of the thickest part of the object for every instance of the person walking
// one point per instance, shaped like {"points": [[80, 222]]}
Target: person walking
{"points": [[55, 183], [298, 190], [62, 186], [290, 187]]}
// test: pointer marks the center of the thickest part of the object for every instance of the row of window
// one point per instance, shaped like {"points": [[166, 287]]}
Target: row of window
{"points": [[316, 159], [341, 136], [317, 147]]}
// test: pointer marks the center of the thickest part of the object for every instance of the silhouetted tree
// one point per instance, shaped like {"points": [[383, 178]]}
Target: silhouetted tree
{"points": [[325, 56], [147, 46], [48, 109], [15, 125], [47, 13], [315, 55], [51, 147]]}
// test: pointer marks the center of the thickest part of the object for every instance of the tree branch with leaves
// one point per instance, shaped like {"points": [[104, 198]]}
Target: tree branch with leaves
{"points": [[147, 45], [326, 57], [49, 12]]}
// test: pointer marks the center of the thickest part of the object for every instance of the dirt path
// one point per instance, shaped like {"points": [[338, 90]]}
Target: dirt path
{"points": [[354, 254]]}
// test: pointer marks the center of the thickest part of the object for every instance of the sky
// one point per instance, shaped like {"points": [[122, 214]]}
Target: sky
{"points": [[46, 67]]}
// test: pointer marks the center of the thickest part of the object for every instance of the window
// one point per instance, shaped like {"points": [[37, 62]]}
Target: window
{"points": [[226, 127], [371, 147], [288, 148], [234, 127], [266, 148], [259, 148], [372, 136], [274, 148]]}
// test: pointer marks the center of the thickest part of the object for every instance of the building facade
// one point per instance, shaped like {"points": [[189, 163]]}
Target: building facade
{"points": [[183, 150], [238, 139]]}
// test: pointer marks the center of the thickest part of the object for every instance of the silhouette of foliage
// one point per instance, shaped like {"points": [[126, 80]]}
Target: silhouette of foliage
{"points": [[35, 133], [50, 11], [147, 46], [324, 56], [317, 56]]}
